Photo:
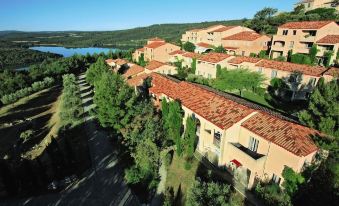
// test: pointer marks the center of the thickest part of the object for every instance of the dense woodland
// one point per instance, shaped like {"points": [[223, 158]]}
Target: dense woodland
{"points": [[135, 37], [16, 55]]}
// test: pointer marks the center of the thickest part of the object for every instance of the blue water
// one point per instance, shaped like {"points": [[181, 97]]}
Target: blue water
{"points": [[67, 52]]}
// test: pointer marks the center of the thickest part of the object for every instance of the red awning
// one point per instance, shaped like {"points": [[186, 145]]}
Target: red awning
{"points": [[237, 163]]}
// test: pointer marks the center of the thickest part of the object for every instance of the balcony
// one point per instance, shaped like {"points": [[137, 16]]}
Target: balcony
{"points": [[246, 157]]}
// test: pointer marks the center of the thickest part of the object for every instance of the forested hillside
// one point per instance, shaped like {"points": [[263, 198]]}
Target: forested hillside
{"points": [[121, 38]]}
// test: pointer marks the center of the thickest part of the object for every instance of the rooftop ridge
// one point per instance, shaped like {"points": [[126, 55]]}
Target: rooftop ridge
{"points": [[242, 101], [250, 104]]}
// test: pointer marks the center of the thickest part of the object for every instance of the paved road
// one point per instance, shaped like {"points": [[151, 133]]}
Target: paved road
{"points": [[103, 184]]}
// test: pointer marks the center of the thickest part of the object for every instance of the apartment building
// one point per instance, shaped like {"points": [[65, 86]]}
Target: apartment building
{"points": [[156, 49], [212, 35], [245, 43], [300, 36], [237, 136], [236, 39], [207, 64], [315, 4]]}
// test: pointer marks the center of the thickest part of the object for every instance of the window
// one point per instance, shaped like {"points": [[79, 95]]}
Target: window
{"points": [[259, 69], [294, 32], [313, 33], [285, 32], [291, 44], [275, 179], [274, 74], [253, 145], [217, 137], [243, 53]]}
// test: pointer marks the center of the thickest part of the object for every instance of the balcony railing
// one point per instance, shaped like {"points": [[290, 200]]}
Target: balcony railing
{"points": [[247, 151]]}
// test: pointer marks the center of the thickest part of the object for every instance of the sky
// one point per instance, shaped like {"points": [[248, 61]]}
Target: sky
{"points": [[98, 15]]}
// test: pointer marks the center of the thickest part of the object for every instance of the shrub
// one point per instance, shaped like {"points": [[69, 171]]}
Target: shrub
{"points": [[35, 87], [188, 46], [272, 195]]}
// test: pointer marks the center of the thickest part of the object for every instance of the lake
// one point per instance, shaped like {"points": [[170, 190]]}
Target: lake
{"points": [[67, 52]]}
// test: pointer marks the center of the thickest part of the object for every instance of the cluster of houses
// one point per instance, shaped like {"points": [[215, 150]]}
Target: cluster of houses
{"points": [[315, 4], [253, 143]]}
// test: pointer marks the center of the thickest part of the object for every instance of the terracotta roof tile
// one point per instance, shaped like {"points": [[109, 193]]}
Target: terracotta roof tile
{"points": [[305, 24], [204, 45], [329, 39], [154, 65], [213, 57], [155, 45], [141, 49], [133, 70], [177, 52], [224, 113], [333, 71], [242, 59], [120, 61], [137, 80], [244, 36], [290, 67], [191, 55], [109, 61], [293, 137], [220, 111]]}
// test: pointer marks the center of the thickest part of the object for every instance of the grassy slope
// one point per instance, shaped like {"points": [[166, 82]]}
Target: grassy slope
{"points": [[42, 109], [121, 38]]}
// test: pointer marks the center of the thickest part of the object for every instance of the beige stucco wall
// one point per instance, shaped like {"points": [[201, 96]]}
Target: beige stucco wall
{"points": [[273, 162], [161, 53], [136, 55], [299, 39], [215, 38], [317, 4], [245, 48], [209, 70], [166, 69]]}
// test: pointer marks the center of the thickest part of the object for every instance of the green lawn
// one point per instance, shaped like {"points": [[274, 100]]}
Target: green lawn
{"points": [[38, 112], [178, 176], [256, 98]]}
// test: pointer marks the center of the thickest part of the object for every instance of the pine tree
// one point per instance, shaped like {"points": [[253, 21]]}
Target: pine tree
{"points": [[323, 109]]}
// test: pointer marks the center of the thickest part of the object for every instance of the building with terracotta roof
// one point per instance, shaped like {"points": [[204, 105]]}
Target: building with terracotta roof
{"points": [[186, 58], [207, 64], [212, 35], [155, 49], [160, 67], [246, 42], [299, 37], [315, 4], [133, 70], [117, 64], [249, 142]]}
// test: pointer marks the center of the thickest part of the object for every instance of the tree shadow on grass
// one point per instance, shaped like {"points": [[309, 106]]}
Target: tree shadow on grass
{"points": [[43, 99]]}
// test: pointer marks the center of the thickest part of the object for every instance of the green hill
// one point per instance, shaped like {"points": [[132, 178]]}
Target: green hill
{"points": [[135, 37]]}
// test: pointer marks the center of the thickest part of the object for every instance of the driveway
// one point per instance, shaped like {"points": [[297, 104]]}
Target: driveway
{"points": [[103, 184]]}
